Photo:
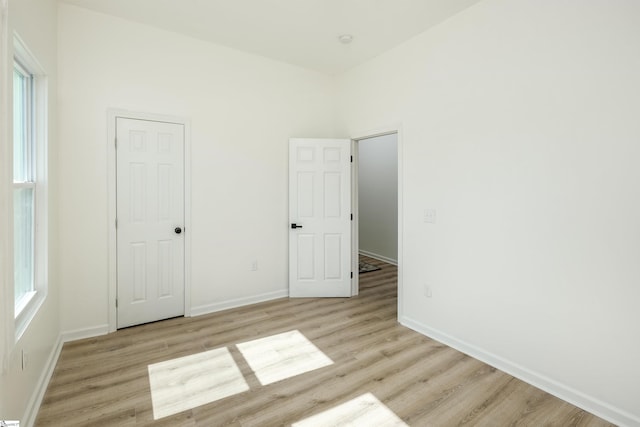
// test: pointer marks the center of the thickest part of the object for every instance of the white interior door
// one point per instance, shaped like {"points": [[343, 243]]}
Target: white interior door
{"points": [[319, 217], [150, 218]]}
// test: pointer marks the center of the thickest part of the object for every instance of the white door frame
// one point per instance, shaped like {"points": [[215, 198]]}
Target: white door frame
{"points": [[355, 243], [112, 115]]}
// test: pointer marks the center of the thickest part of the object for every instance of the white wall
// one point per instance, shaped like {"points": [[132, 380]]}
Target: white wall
{"points": [[520, 127], [243, 108], [378, 196], [36, 23]]}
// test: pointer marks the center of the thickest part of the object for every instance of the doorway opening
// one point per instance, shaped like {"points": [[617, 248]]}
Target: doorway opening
{"points": [[376, 201], [378, 198]]}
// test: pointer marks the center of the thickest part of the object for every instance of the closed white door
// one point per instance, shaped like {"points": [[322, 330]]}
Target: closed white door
{"points": [[150, 218], [319, 217]]}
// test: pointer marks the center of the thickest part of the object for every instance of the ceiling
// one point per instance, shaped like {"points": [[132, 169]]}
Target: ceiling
{"points": [[301, 32]]}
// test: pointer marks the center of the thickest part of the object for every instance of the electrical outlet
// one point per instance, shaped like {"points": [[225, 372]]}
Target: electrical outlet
{"points": [[254, 265]]}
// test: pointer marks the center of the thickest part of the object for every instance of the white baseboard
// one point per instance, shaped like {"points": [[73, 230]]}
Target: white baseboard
{"points": [[29, 418], [238, 302], [562, 391], [79, 334], [33, 406], [378, 257]]}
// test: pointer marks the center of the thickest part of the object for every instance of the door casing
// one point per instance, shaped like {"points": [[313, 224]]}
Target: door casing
{"points": [[112, 115]]}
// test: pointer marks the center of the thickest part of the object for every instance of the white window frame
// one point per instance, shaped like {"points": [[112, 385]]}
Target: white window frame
{"points": [[29, 305], [30, 182]]}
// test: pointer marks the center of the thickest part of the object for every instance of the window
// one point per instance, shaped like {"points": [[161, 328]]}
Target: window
{"points": [[24, 186], [29, 186]]}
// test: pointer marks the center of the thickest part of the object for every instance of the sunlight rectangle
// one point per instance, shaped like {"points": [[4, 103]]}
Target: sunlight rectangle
{"points": [[363, 411], [187, 382], [282, 356]]}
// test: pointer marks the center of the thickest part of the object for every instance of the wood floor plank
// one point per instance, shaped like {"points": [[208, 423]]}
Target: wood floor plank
{"points": [[105, 381]]}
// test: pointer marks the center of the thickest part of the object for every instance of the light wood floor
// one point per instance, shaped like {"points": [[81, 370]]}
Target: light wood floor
{"points": [[104, 380]]}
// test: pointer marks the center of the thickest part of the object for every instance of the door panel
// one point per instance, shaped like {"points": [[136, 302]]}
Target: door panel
{"points": [[150, 205], [320, 203]]}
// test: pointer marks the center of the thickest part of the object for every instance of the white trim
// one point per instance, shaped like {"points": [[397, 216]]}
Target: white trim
{"points": [[33, 406], [378, 257], [238, 302], [372, 133], [187, 218], [355, 229], [31, 411], [26, 58], [6, 198], [562, 391], [40, 136], [112, 115], [28, 311], [80, 334]]}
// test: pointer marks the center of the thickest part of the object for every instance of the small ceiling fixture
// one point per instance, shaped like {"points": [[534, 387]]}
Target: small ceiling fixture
{"points": [[345, 38]]}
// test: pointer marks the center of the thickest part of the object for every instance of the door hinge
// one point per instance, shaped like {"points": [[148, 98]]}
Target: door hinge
{"points": [[352, 274], [351, 217], [116, 222], [115, 143], [351, 159], [116, 302]]}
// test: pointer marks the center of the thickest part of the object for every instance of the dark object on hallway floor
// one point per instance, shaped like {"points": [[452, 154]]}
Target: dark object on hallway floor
{"points": [[365, 267]]}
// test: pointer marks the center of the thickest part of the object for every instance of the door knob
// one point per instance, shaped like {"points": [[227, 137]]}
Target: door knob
{"points": [[178, 230], [294, 226]]}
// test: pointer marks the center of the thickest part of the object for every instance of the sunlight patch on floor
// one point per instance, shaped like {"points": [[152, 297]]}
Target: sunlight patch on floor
{"points": [[362, 411], [282, 356], [187, 382]]}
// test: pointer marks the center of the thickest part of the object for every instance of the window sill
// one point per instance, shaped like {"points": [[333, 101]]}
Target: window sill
{"points": [[23, 303], [26, 309]]}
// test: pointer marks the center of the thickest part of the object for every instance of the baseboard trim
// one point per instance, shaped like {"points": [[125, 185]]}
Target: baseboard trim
{"points": [[29, 418], [238, 302], [562, 391], [378, 257], [79, 334]]}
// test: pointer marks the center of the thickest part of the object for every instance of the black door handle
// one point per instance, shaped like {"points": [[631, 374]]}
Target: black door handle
{"points": [[294, 226], [178, 230]]}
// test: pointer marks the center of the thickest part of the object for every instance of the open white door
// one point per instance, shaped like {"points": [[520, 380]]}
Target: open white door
{"points": [[319, 217], [150, 221]]}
